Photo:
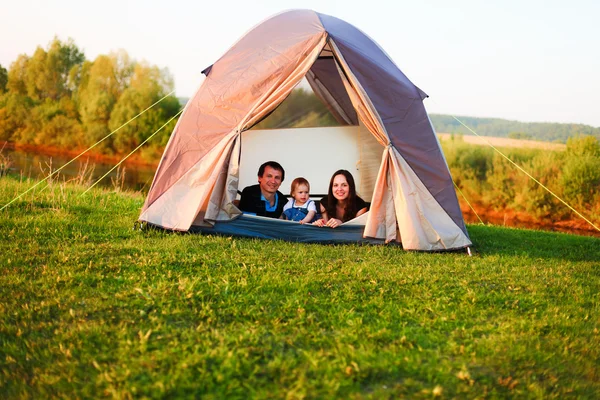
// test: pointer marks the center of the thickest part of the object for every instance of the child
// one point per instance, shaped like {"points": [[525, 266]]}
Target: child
{"points": [[300, 207]]}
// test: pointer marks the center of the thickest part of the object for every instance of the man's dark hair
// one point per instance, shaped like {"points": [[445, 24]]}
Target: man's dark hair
{"points": [[273, 164]]}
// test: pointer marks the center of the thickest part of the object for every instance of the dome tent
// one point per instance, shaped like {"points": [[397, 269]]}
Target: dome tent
{"points": [[413, 198]]}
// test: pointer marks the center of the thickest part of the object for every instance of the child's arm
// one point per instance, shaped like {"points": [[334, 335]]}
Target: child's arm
{"points": [[309, 217]]}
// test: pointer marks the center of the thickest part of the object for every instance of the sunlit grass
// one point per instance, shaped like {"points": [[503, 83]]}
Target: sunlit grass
{"points": [[91, 308]]}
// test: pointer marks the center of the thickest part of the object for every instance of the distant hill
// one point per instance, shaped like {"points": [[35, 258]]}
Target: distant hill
{"points": [[544, 131]]}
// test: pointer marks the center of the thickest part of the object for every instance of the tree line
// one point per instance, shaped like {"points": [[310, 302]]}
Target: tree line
{"points": [[58, 98], [543, 131]]}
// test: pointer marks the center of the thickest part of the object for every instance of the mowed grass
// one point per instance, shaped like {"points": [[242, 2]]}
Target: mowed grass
{"points": [[91, 308]]}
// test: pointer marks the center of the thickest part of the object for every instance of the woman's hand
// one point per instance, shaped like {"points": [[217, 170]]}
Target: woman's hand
{"points": [[319, 222], [333, 223]]}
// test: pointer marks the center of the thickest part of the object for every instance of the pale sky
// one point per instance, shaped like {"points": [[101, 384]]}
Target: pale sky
{"points": [[528, 60]]}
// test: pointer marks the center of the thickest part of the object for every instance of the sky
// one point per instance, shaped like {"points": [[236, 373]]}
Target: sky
{"points": [[527, 60]]}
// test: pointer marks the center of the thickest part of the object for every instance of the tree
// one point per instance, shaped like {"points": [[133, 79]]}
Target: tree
{"points": [[581, 171], [17, 75], [583, 145], [3, 79], [148, 85], [14, 114], [101, 83], [55, 97]]}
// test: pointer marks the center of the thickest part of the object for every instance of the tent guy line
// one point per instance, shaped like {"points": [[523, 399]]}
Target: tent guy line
{"points": [[133, 151], [468, 202]]}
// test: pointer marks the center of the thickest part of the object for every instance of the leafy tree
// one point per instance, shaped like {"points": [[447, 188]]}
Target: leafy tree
{"points": [[57, 98], [69, 56], [53, 123], [47, 71], [148, 85], [101, 83], [17, 75], [14, 114], [3, 79], [581, 171], [582, 146], [531, 197]]}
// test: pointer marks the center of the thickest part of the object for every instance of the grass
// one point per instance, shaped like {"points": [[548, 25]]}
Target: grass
{"points": [[91, 308]]}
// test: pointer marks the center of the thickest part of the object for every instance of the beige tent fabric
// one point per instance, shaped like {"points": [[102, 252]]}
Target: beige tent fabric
{"points": [[381, 223], [179, 206], [419, 216], [210, 195], [225, 211], [254, 69], [272, 99], [422, 221], [332, 105], [370, 151], [361, 102], [287, 81]]}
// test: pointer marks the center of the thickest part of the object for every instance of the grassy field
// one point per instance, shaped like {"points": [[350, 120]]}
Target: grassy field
{"points": [[91, 308]]}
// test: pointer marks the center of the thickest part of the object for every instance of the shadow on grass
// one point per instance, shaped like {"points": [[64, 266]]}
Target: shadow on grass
{"points": [[495, 240]]}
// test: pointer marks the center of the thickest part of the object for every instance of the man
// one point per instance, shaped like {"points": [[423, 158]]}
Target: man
{"points": [[264, 199]]}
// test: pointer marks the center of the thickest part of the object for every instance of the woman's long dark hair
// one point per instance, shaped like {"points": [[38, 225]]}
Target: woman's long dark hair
{"points": [[351, 207]]}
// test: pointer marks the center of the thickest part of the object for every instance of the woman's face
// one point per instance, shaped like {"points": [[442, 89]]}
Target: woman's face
{"points": [[340, 187]]}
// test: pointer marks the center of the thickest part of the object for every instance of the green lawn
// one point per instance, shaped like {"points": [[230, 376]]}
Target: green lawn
{"points": [[91, 308]]}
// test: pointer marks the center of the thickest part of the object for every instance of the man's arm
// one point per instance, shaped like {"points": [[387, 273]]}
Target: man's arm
{"points": [[245, 200]]}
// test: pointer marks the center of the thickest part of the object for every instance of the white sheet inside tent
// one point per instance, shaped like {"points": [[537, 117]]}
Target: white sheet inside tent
{"points": [[313, 153]]}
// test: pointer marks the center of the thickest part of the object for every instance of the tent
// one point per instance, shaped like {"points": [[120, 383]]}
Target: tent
{"points": [[411, 191]]}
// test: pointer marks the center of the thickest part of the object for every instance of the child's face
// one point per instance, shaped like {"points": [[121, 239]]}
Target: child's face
{"points": [[301, 194]]}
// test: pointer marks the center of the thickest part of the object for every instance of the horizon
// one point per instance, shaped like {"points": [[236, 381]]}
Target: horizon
{"points": [[529, 62]]}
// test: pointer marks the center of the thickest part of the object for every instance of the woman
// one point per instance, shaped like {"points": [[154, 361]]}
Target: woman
{"points": [[341, 203]]}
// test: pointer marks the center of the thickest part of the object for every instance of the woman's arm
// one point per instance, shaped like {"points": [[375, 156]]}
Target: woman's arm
{"points": [[361, 211], [324, 217], [334, 222], [326, 221]]}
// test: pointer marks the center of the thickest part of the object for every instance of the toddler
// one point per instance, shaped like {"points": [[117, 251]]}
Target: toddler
{"points": [[300, 207]]}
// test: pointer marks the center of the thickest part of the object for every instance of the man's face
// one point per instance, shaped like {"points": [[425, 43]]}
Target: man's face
{"points": [[270, 181]]}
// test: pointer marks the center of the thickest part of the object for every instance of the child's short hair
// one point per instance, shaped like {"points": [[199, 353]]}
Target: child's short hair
{"points": [[297, 182]]}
